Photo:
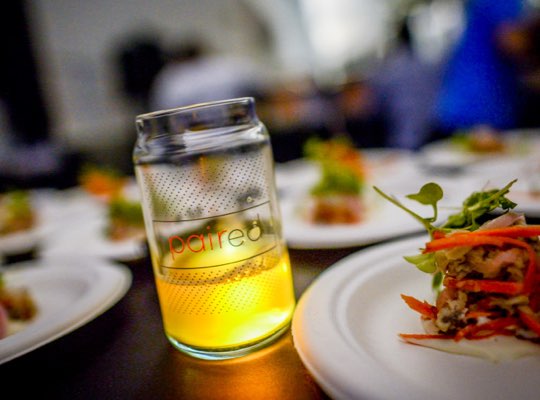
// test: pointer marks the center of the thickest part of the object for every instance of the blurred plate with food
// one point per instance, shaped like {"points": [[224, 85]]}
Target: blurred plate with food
{"points": [[115, 232], [477, 149], [337, 206], [20, 223], [61, 298], [101, 217]]}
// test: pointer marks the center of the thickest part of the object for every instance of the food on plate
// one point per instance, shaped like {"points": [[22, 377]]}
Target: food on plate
{"points": [[486, 276], [17, 307], [125, 219], [16, 212], [482, 140], [337, 197], [102, 181]]}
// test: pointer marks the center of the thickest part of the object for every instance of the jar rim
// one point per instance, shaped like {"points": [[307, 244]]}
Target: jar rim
{"points": [[198, 106]]}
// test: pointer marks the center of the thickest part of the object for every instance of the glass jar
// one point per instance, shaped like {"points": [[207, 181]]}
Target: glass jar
{"points": [[213, 224]]}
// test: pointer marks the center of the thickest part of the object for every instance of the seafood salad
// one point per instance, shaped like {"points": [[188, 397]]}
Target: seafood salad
{"points": [[337, 197], [486, 276], [17, 307]]}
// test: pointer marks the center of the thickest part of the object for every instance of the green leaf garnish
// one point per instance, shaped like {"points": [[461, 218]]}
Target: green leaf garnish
{"points": [[424, 262], [436, 282], [477, 205], [429, 194]]}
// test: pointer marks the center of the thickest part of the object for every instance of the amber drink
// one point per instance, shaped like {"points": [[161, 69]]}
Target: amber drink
{"points": [[221, 267]]}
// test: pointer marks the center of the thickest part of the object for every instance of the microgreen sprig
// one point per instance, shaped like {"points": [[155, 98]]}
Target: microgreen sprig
{"points": [[429, 194]]}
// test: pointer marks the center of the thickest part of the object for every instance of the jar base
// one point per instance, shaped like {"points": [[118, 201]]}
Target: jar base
{"points": [[217, 354]]}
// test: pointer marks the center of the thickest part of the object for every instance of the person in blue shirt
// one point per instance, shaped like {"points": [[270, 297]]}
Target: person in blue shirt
{"points": [[480, 83]]}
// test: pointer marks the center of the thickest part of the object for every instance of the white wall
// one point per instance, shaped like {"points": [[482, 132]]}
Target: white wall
{"points": [[76, 41]]}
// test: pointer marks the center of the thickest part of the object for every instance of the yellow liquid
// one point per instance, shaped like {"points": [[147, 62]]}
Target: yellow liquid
{"points": [[228, 306]]}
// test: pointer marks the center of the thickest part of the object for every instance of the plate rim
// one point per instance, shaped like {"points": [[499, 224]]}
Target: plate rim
{"points": [[341, 270], [117, 277]]}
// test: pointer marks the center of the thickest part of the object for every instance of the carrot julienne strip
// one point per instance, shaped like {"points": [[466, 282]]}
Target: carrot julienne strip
{"points": [[424, 308], [422, 336], [495, 327], [529, 319], [509, 231], [489, 286], [479, 314]]}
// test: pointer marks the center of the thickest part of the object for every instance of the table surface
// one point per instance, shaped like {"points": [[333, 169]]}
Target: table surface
{"points": [[123, 354]]}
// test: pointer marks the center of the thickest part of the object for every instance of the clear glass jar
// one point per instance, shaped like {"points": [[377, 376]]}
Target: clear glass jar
{"points": [[221, 266]]}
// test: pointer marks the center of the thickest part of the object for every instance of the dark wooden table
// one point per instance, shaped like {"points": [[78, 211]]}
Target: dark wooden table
{"points": [[123, 354]]}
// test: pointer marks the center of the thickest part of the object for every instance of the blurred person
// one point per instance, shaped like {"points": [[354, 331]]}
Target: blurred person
{"points": [[404, 89], [294, 111], [139, 59], [194, 76], [356, 105], [480, 82], [29, 155], [521, 41]]}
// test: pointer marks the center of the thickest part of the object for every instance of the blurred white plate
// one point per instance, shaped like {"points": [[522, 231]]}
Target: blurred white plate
{"points": [[68, 293], [53, 209], [20, 242], [87, 237], [445, 155], [77, 223], [528, 203], [345, 329]]}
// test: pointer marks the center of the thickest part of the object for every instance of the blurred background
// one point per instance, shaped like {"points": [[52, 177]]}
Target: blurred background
{"points": [[387, 73]]}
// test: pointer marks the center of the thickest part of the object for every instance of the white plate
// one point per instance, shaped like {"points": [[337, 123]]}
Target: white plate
{"points": [[528, 203], [68, 293], [20, 242], [75, 223], [345, 330], [444, 154]]}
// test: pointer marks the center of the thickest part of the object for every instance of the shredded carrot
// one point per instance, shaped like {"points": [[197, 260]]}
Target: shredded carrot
{"points": [[479, 285], [438, 234], [422, 336], [424, 308], [458, 240], [494, 327], [529, 319], [479, 314], [509, 231]]}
